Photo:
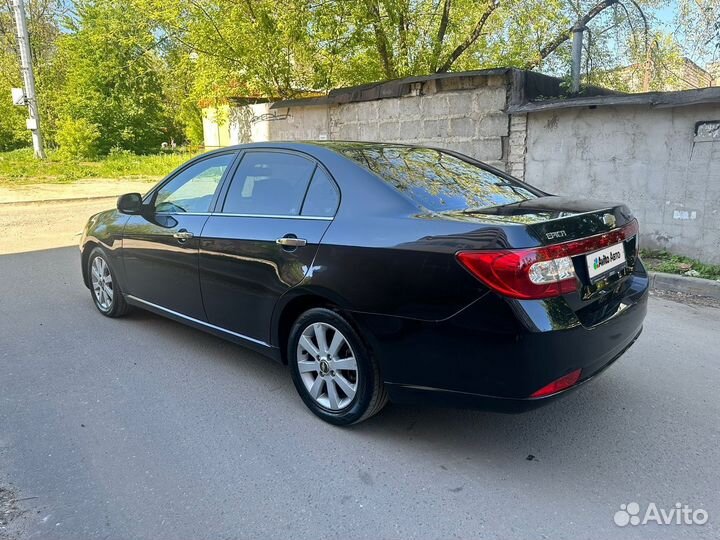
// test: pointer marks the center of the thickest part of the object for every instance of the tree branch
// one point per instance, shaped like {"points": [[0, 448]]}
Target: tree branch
{"points": [[402, 35], [215, 26], [440, 38], [472, 38], [381, 40], [563, 36]]}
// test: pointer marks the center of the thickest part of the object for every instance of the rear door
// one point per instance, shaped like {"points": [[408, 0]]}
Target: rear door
{"points": [[263, 237]]}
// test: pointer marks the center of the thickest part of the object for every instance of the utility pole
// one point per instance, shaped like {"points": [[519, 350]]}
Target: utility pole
{"points": [[577, 39], [33, 123]]}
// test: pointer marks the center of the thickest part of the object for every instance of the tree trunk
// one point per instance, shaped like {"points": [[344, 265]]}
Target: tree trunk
{"points": [[472, 38], [440, 38], [381, 40]]}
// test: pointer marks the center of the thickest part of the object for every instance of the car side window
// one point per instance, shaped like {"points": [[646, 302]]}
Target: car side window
{"points": [[193, 189], [322, 198], [269, 183]]}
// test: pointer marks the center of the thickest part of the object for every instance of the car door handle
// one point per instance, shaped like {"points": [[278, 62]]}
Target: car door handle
{"points": [[182, 235], [290, 241]]}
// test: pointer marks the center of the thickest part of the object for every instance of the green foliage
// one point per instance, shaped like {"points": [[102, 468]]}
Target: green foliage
{"points": [[181, 100], [660, 67], [43, 25], [140, 70], [112, 76], [19, 166], [663, 261], [271, 49], [78, 138], [12, 125]]}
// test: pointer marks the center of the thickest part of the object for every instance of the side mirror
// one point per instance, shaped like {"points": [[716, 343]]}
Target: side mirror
{"points": [[130, 203]]}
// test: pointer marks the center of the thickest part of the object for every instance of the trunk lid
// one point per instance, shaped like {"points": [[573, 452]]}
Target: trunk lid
{"points": [[599, 225], [552, 219]]}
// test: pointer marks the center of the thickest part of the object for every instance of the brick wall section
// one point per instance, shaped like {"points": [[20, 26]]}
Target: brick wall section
{"points": [[465, 114]]}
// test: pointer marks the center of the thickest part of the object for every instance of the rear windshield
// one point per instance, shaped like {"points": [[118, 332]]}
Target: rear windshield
{"points": [[436, 180]]}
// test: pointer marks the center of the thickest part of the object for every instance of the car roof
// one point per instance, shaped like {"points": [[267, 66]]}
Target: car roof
{"points": [[310, 146]]}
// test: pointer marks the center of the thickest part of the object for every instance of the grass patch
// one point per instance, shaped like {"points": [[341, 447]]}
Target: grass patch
{"points": [[662, 261], [20, 167]]}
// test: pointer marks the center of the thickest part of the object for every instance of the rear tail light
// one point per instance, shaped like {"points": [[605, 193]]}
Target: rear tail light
{"points": [[524, 274], [535, 273], [564, 382]]}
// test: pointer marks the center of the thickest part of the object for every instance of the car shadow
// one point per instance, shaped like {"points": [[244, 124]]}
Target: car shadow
{"points": [[602, 417]]}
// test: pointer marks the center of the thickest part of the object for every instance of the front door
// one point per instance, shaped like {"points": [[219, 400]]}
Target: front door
{"points": [[160, 248], [264, 238]]}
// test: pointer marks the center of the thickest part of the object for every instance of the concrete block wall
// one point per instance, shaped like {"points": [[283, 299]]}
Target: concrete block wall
{"points": [[645, 157], [466, 114], [517, 145]]}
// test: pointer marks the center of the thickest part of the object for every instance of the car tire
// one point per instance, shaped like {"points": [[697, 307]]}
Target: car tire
{"points": [[104, 286], [335, 375]]}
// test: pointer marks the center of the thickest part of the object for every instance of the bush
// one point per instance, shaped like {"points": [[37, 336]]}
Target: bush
{"points": [[78, 138], [13, 133]]}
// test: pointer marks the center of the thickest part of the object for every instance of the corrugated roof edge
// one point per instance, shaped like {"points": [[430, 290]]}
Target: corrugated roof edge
{"points": [[680, 98]]}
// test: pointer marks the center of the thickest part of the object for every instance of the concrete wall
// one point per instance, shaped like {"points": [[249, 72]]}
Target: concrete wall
{"points": [[648, 158], [465, 114]]}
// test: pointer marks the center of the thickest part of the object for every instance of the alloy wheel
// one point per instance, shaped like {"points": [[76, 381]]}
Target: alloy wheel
{"points": [[102, 283], [327, 366]]}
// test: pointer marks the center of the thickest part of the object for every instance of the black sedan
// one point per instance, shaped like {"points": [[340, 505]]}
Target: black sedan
{"points": [[379, 271]]}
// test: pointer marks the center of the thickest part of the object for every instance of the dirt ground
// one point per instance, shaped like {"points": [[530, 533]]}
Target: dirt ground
{"points": [[82, 189], [48, 224]]}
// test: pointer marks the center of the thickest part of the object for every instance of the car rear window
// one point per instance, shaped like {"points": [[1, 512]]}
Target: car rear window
{"points": [[437, 180]]}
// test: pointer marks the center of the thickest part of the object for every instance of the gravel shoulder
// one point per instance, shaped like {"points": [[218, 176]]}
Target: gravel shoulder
{"points": [[84, 189], [42, 225]]}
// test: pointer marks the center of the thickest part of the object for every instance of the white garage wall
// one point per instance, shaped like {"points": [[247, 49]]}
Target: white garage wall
{"points": [[648, 158]]}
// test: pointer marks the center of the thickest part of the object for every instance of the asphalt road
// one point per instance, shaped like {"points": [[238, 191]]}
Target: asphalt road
{"points": [[142, 428]]}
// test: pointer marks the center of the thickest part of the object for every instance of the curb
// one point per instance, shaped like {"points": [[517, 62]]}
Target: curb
{"points": [[684, 284], [66, 200]]}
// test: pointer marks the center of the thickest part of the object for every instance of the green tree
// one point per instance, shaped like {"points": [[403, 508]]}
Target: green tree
{"points": [[182, 99], [133, 72], [43, 27], [112, 78], [273, 49]]}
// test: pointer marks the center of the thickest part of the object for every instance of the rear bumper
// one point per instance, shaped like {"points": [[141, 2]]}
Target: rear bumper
{"points": [[399, 393], [495, 353]]}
